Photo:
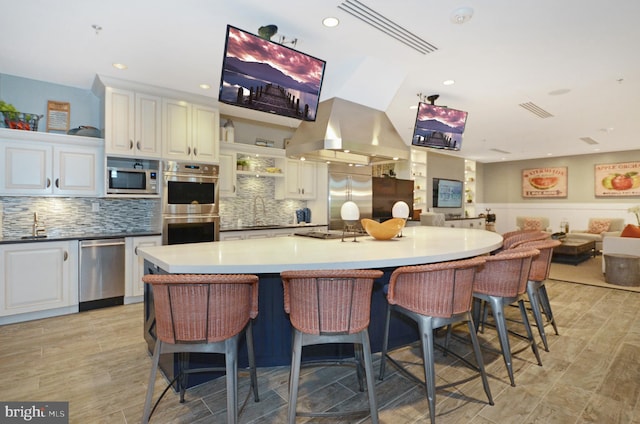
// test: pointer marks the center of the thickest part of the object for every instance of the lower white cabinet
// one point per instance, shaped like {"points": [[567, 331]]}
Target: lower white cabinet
{"points": [[38, 276], [134, 266], [477, 223]]}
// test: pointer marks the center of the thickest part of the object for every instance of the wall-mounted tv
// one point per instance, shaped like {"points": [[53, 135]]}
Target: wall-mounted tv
{"points": [[263, 75], [438, 127], [447, 193]]}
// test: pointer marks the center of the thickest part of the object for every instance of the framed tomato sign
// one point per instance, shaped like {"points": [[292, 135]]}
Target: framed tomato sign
{"points": [[617, 179], [544, 182]]}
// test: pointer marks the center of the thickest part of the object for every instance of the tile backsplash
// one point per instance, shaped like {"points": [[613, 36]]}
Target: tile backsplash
{"points": [[67, 216]]}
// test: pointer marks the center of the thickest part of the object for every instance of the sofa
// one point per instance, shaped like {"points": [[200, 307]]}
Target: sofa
{"points": [[619, 245], [532, 223], [597, 230]]}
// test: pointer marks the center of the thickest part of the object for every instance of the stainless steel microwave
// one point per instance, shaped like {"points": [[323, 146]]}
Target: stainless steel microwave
{"points": [[132, 181]]}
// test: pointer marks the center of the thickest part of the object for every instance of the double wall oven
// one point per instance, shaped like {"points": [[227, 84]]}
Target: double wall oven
{"points": [[190, 212]]}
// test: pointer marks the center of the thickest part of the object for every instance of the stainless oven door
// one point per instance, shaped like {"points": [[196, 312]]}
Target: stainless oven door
{"points": [[190, 229], [190, 194]]}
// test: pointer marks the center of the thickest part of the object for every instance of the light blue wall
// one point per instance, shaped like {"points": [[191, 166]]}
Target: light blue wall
{"points": [[31, 96]]}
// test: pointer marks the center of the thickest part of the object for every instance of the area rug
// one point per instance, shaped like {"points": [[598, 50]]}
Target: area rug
{"points": [[588, 272]]}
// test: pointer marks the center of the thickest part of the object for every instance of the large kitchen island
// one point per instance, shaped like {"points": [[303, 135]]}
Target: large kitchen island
{"points": [[268, 257]]}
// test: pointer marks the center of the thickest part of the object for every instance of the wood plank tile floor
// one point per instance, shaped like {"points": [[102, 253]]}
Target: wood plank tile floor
{"points": [[98, 362]]}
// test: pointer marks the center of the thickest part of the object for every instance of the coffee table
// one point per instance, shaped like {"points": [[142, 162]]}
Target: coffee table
{"points": [[574, 251]]}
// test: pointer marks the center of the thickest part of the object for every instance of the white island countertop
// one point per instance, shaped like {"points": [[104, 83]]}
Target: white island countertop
{"points": [[419, 245]]}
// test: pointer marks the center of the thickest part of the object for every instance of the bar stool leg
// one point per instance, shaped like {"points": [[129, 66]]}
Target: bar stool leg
{"points": [[479, 359], [152, 381], [527, 326], [252, 361], [546, 307], [426, 333], [385, 343], [503, 335], [368, 367], [534, 300], [231, 365], [294, 375]]}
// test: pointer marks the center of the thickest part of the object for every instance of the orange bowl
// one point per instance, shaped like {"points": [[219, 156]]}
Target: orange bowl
{"points": [[383, 230]]}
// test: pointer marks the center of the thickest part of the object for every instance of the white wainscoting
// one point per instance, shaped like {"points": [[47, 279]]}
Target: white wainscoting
{"points": [[577, 214]]}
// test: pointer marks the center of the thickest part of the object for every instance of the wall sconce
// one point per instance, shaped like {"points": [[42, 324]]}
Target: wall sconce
{"points": [[350, 214]]}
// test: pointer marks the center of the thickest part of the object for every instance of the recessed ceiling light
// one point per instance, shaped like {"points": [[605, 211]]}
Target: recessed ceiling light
{"points": [[448, 82], [461, 15], [205, 86], [559, 92], [120, 66], [330, 22], [413, 107]]}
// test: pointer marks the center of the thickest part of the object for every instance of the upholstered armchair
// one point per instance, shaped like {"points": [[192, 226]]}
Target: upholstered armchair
{"points": [[533, 223], [598, 229]]}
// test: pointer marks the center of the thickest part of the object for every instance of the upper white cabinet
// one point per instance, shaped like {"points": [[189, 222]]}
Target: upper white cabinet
{"points": [[132, 123], [53, 283], [227, 174], [299, 180], [191, 132], [38, 168]]}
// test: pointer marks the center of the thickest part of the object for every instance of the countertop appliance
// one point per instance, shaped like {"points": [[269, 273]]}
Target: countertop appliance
{"points": [[132, 180], [349, 183], [101, 273]]}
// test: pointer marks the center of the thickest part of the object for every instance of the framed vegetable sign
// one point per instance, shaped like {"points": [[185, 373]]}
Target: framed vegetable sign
{"points": [[617, 179], [544, 182]]}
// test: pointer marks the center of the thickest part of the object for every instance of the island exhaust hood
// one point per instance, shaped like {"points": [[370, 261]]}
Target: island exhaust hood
{"points": [[347, 132]]}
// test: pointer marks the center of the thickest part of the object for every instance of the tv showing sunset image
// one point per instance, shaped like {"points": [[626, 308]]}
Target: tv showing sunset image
{"points": [[439, 127], [266, 76]]}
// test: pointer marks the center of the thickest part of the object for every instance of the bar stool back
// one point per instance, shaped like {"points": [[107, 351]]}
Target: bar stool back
{"points": [[330, 306], [434, 296], [203, 313]]}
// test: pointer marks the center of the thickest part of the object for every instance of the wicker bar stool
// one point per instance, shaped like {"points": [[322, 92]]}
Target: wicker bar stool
{"points": [[518, 239], [434, 296], [501, 282], [203, 313], [536, 291], [330, 306]]}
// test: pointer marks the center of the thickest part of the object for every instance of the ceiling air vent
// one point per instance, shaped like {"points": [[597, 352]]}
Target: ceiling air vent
{"points": [[386, 25], [535, 109], [588, 140], [500, 151]]}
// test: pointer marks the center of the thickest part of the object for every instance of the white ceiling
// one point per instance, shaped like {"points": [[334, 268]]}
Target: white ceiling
{"points": [[509, 53]]}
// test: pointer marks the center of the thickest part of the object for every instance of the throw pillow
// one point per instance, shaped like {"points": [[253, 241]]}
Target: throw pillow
{"points": [[598, 226], [631, 231], [532, 224]]}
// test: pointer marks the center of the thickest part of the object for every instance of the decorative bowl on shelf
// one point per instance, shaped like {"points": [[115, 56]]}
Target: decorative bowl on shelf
{"points": [[383, 230]]}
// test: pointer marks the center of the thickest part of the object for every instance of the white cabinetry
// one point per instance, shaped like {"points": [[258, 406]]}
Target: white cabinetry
{"points": [[419, 176], [50, 169], [299, 180], [190, 131], [38, 276], [227, 172], [477, 223], [132, 123], [134, 287]]}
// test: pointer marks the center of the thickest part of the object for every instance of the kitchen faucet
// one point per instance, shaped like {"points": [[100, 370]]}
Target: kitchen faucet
{"points": [[37, 229], [255, 209]]}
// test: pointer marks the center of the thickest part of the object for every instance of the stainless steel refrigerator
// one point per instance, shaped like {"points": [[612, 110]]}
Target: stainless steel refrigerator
{"points": [[349, 183]]}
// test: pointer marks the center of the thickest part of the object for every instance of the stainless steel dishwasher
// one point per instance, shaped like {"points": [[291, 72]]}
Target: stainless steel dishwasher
{"points": [[101, 273]]}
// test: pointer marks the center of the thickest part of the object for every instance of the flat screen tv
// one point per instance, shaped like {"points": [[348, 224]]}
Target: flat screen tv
{"points": [[263, 75], [447, 193], [439, 127]]}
